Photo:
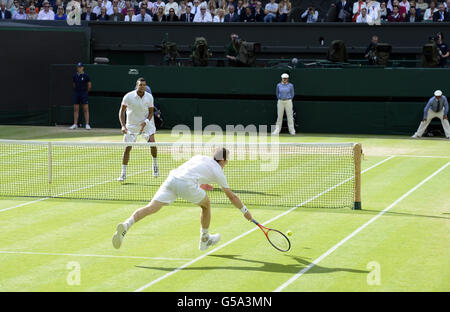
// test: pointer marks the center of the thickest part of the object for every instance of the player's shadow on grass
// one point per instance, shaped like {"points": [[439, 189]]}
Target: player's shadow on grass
{"points": [[264, 266]]}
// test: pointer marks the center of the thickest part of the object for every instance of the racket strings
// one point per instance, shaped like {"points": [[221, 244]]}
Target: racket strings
{"points": [[278, 240]]}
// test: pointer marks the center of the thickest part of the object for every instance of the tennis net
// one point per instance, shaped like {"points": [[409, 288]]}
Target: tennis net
{"points": [[278, 174]]}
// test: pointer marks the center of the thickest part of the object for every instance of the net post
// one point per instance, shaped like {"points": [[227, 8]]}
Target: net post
{"points": [[357, 152], [50, 162]]}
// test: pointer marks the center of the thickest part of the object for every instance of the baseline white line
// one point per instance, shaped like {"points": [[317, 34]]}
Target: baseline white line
{"points": [[332, 249], [87, 255], [250, 231]]}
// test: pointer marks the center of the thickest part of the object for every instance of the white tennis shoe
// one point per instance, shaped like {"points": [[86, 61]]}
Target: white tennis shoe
{"points": [[122, 178], [155, 171], [73, 127], [88, 127], [118, 236], [208, 240]]}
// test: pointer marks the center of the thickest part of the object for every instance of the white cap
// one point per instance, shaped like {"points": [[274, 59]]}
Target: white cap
{"points": [[285, 76], [438, 93]]}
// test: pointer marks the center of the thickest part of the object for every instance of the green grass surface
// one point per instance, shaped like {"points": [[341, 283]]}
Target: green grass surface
{"points": [[408, 245]]}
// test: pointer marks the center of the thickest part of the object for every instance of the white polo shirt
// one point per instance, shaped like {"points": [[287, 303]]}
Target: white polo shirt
{"points": [[201, 170], [137, 108]]}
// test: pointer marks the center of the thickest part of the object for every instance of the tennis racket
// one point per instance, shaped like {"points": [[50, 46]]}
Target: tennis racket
{"points": [[277, 239]]}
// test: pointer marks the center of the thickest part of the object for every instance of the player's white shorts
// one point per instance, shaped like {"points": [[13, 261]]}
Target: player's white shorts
{"points": [[172, 188], [133, 132]]}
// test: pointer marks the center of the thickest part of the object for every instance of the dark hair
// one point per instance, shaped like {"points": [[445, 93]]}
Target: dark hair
{"points": [[140, 80], [221, 153]]}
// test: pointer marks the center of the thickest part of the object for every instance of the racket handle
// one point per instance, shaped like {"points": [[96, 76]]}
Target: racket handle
{"points": [[254, 221]]}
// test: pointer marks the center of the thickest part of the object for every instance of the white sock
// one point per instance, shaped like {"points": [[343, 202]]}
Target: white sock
{"points": [[124, 169], [204, 231], [154, 161], [129, 222]]}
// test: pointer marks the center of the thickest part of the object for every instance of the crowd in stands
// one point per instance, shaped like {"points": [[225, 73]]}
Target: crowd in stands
{"points": [[360, 11]]}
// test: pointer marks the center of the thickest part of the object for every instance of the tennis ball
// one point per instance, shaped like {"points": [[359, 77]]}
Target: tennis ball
{"points": [[289, 233]]}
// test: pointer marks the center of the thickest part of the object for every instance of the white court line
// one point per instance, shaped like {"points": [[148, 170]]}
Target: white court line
{"points": [[332, 249], [248, 232], [87, 255], [68, 192], [422, 156]]}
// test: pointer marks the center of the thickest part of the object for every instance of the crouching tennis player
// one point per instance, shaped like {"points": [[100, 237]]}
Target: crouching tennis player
{"points": [[187, 182]]}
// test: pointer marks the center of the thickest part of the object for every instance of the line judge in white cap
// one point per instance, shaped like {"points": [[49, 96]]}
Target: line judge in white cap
{"points": [[285, 94], [437, 106]]}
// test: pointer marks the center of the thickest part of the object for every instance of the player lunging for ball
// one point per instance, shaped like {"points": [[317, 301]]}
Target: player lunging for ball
{"points": [[138, 106], [185, 182]]}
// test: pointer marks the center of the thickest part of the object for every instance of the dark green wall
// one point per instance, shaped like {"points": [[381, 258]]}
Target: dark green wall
{"points": [[335, 100]]}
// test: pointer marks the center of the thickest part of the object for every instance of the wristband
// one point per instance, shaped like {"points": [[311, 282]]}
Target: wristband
{"points": [[244, 209]]}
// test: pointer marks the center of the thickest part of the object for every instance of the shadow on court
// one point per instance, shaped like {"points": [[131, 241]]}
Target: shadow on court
{"points": [[264, 266]]}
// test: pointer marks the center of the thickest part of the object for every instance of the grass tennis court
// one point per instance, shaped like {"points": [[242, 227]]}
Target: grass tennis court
{"points": [[399, 241]]}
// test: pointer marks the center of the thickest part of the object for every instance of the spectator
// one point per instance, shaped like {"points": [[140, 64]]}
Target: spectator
{"points": [[57, 4], [344, 9], [4, 13], [46, 13], [188, 16], [143, 16], [332, 13], [73, 5], [122, 5], [405, 4], [437, 106], [441, 15], [203, 16], [357, 8], [447, 6], [103, 16], [428, 16], [60, 15], [159, 16], [156, 6], [363, 17], [88, 15], [108, 5], [284, 9], [116, 16], [130, 15], [170, 5], [145, 5], [231, 51], [128, 5], [384, 12], [172, 17], [98, 9], [443, 50], [421, 5], [231, 16], [196, 7], [211, 8], [310, 15], [248, 16], [21, 14], [259, 12], [32, 3], [32, 16], [135, 5], [395, 15], [240, 9], [371, 50], [285, 94], [220, 17], [14, 7], [271, 10], [81, 87], [373, 11], [412, 16]]}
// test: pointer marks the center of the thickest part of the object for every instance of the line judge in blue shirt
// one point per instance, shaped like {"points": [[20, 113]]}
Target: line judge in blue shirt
{"points": [[437, 106], [285, 94]]}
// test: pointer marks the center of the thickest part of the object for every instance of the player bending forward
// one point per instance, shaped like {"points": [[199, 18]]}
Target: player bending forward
{"points": [[138, 106], [185, 182]]}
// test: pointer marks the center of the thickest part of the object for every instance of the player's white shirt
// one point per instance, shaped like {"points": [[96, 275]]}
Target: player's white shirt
{"points": [[202, 170], [137, 108]]}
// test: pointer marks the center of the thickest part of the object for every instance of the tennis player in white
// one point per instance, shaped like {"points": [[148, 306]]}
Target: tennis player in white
{"points": [[187, 182], [138, 106]]}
